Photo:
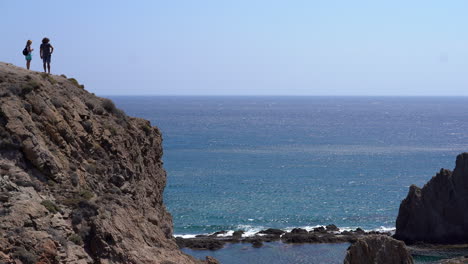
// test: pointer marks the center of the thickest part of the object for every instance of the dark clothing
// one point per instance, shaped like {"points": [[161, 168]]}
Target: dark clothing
{"points": [[46, 59], [45, 48]]}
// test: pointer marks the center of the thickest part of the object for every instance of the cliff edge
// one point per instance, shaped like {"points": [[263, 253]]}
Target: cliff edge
{"points": [[80, 182], [437, 212]]}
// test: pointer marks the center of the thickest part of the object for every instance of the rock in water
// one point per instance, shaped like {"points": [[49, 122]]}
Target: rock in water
{"points": [[378, 249], [437, 213], [80, 181]]}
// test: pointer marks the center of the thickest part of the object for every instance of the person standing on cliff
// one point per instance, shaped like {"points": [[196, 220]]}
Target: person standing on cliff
{"points": [[28, 55], [46, 53]]}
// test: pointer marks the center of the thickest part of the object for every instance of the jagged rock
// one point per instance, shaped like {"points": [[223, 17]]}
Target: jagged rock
{"points": [[272, 231], [238, 234], [76, 173], [299, 231], [332, 228], [378, 249], [437, 212], [320, 229], [211, 260], [200, 243]]}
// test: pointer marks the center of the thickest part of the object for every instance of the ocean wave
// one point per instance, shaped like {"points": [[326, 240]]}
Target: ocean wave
{"points": [[250, 231]]}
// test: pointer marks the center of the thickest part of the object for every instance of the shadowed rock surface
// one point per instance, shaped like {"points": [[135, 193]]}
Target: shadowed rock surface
{"points": [[80, 182], [437, 213], [379, 249]]}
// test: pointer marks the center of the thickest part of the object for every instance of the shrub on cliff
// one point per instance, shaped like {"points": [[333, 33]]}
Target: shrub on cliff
{"points": [[49, 205], [48, 77], [76, 239], [25, 256], [110, 107], [75, 82]]}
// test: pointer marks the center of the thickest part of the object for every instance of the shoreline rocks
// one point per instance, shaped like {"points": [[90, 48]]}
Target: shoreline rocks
{"points": [[329, 234]]}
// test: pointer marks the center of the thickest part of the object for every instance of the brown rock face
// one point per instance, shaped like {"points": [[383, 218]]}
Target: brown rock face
{"points": [[437, 213], [80, 182], [378, 249]]}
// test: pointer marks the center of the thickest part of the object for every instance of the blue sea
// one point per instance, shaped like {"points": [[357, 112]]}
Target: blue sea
{"points": [[251, 163]]}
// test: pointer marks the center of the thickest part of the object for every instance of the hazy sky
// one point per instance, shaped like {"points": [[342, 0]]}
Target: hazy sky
{"points": [[247, 47]]}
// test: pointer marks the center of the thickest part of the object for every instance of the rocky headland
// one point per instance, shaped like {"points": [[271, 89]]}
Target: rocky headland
{"points": [[437, 213], [80, 181]]}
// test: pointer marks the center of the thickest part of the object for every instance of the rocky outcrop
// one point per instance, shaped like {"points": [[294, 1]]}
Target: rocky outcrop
{"points": [[80, 182], [437, 213], [378, 249], [328, 234]]}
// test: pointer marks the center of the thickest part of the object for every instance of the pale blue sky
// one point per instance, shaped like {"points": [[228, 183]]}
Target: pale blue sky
{"points": [[247, 47]]}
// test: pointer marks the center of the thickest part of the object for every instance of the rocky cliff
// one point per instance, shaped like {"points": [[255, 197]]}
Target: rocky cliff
{"points": [[80, 182], [437, 213]]}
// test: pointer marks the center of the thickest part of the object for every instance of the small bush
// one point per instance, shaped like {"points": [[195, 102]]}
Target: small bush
{"points": [[71, 202], [76, 239], [51, 183], [74, 179], [109, 105], [146, 128], [99, 111], [48, 77], [63, 75], [88, 126], [15, 89], [26, 89], [90, 168], [49, 205], [74, 82], [7, 144], [28, 107], [29, 87], [90, 105], [86, 195], [112, 129], [56, 102], [72, 166], [25, 256]]}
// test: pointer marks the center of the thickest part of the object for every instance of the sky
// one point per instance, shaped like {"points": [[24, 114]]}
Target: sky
{"points": [[247, 47]]}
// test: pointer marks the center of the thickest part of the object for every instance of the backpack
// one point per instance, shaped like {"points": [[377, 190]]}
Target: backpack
{"points": [[25, 51]]}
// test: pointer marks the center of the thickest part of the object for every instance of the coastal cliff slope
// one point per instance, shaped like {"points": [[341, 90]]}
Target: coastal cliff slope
{"points": [[437, 213], [80, 182]]}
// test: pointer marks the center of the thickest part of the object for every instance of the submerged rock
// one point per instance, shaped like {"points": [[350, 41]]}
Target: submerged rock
{"points": [[437, 213], [378, 249]]}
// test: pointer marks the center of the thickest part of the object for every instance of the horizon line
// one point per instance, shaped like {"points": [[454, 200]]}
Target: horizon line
{"points": [[271, 95]]}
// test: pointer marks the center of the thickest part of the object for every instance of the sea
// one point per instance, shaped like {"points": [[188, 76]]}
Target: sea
{"points": [[256, 162]]}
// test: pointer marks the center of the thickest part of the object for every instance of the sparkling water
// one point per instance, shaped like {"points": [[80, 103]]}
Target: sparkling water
{"points": [[253, 163]]}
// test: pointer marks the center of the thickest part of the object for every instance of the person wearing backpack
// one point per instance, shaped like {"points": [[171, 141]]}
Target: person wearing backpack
{"points": [[27, 53], [46, 52]]}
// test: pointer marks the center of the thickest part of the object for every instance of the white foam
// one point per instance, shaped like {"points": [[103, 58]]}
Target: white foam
{"points": [[250, 231], [185, 236]]}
